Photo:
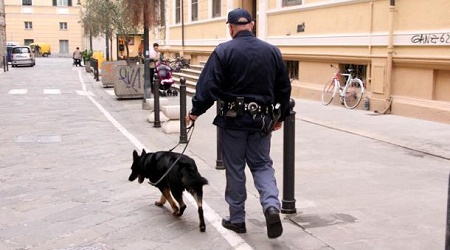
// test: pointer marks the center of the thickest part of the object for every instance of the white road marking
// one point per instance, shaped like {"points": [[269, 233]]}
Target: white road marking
{"points": [[18, 91], [52, 91], [83, 92], [110, 91], [236, 241]]}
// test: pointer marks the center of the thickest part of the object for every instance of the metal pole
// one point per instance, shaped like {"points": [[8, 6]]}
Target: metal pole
{"points": [[447, 235], [219, 160], [157, 123], [183, 132], [288, 201], [147, 87], [4, 63]]}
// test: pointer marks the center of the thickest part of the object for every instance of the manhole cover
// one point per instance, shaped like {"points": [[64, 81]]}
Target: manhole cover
{"points": [[323, 220]]}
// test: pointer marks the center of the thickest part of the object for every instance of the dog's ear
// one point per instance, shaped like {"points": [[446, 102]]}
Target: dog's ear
{"points": [[135, 155], [143, 152]]}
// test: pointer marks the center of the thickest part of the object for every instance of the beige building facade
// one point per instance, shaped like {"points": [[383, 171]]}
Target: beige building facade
{"points": [[400, 49], [55, 22]]}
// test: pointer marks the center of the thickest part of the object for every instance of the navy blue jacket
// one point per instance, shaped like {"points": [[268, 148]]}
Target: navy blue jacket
{"points": [[244, 66]]}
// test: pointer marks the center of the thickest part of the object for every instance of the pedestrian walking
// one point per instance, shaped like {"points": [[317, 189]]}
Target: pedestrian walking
{"points": [[248, 78], [77, 57]]}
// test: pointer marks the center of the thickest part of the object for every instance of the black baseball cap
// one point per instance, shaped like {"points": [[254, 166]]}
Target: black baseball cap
{"points": [[236, 14]]}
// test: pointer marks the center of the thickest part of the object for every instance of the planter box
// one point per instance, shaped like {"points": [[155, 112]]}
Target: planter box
{"points": [[129, 81], [87, 66], [108, 68]]}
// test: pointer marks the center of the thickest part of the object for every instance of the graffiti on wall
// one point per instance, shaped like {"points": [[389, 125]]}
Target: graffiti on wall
{"points": [[432, 38], [131, 77]]}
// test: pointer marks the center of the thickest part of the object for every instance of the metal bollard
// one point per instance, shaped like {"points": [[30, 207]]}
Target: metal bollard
{"points": [[147, 81], [447, 234], [219, 160], [4, 63], [183, 132], [97, 73], [157, 123], [288, 200]]}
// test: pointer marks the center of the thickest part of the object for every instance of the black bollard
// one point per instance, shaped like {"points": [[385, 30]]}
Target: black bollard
{"points": [[219, 160], [4, 63], [447, 234], [147, 81], [183, 132], [157, 122], [288, 200]]}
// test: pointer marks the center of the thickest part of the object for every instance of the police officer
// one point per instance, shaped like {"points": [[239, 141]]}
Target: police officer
{"points": [[248, 78]]}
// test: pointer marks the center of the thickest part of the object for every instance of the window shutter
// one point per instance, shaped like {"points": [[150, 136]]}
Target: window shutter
{"points": [[54, 2]]}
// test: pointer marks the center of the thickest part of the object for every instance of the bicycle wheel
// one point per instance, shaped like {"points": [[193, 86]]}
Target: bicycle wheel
{"points": [[353, 93], [329, 90]]}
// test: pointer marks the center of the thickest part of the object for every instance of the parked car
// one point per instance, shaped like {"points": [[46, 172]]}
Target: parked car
{"points": [[22, 55], [44, 49]]}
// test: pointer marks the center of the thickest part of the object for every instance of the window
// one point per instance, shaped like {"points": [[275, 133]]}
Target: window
{"points": [[62, 2], [27, 2], [64, 46], [194, 10], [177, 11], [28, 25], [216, 11], [291, 2], [359, 71], [292, 67], [63, 26], [27, 42]]}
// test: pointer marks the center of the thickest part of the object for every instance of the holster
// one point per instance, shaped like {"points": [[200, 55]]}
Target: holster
{"points": [[275, 116]]}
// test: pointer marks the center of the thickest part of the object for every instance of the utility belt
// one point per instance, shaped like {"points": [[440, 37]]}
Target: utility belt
{"points": [[239, 108]]}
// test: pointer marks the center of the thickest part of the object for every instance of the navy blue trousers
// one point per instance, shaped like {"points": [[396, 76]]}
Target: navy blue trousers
{"points": [[238, 149]]}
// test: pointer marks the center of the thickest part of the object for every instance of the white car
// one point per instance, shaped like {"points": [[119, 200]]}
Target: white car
{"points": [[22, 55]]}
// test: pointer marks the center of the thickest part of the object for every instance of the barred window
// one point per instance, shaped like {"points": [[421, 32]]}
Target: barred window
{"points": [[27, 2], [359, 71], [293, 69], [291, 2]]}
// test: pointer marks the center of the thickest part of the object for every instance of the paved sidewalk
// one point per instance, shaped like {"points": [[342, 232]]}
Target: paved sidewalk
{"points": [[362, 181]]}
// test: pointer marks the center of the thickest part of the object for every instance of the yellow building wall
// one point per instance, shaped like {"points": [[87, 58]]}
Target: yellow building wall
{"points": [[45, 20]]}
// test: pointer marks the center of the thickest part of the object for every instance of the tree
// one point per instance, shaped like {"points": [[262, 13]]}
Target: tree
{"points": [[146, 13], [122, 22]]}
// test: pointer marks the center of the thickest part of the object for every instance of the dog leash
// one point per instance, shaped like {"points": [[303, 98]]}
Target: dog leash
{"points": [[190, 130]]}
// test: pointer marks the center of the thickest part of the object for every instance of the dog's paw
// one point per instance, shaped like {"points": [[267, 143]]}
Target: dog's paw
{"points": [[182, 210], [159, 204], [202, 228]]}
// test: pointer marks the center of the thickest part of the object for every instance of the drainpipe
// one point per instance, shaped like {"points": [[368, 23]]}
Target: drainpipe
{"points": [[182, 28], [390, 52]]}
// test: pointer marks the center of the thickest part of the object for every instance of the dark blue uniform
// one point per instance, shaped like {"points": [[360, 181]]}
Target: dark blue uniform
{"points": [[253, 69]]}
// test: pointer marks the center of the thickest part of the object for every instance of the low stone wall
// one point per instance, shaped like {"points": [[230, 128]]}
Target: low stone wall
{"points": [[108, 69], [129, 81]]}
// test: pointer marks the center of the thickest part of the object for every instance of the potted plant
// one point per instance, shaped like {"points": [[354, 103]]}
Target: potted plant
{"points": [[87, 54]]}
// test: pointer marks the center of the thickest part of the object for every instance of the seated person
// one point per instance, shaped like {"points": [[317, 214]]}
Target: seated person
{"points": [[165, 76]]}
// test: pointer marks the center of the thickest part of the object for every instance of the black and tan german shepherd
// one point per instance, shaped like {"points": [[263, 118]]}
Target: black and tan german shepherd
{"points": [[182, 176]]}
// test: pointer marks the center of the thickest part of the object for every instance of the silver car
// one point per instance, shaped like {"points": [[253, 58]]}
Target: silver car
{"points": [[22, 55]]}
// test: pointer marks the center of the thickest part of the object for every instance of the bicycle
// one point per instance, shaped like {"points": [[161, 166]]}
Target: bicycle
{"points": [[350, 94]]}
